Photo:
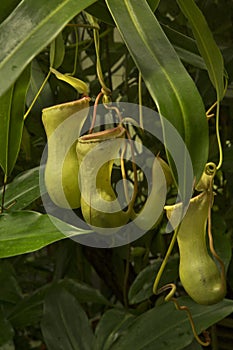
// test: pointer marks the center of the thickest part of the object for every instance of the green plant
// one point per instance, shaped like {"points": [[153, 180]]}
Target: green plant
{"points": [[170, 61]]}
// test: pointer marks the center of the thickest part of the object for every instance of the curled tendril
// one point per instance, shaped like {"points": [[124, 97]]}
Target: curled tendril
{"points": [[170, 297]]}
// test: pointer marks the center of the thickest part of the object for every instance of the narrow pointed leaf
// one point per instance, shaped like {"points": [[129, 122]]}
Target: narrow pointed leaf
{"points": [[46, 97], [57, 51], [185, 47], [169, 84], [36, 23], [153, 4], [11, 117], [6, 7], [65, 324], [206, 44], [77, 84]]}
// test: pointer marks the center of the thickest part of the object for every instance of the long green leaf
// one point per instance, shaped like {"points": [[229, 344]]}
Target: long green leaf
{"points": [[29, 310], [193, 346], [83, 292], [46, 97], [166, 328], [65, 324], [110, 324], [6, 7], [100, 10], [153, 4], [206, 44], [185, 47], [6, 330], [169, 84], [57, 51], [10, 291], [28, 29], [26, 231], [22, 191], [11, 116]]}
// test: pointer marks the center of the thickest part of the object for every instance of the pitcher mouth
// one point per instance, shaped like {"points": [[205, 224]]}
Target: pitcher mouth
{"points": [[83, 100], [116, 132]]}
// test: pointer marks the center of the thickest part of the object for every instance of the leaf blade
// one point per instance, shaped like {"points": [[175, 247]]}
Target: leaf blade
{"points": [[22, 191], [63, 316], [36, 25], [16, 238], [206, 44], [147, 331], [164, 76], [11, 115]]}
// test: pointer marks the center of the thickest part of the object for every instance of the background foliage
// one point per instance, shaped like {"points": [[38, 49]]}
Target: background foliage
{"points": [[55, 293]]}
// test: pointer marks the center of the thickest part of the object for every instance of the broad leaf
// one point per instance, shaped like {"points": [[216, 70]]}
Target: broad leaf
{"points": [[169, 84], [27, 231], [6, 330], [166, 328], [110, 324], [65, 324], [10, 291], [29, 310], [222, 241], [193, 346], [36, 23], [22, 191], [11, 117], [83, 292], [206, 44], [142, 287]]}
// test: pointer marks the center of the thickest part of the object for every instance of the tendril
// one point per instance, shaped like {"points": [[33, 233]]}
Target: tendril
{"points": [[170, 297], [106, 91], [140, 99], [210, 236], [37, 95]]}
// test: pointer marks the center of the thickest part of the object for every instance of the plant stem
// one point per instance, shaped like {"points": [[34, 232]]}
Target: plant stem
{"points": [[3, 194]]}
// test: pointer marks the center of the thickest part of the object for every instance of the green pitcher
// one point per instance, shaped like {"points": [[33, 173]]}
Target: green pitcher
{"points": [[99, 204], [60, 123]]}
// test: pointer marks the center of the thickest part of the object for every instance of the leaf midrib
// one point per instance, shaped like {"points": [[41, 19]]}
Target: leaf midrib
{"points": [[167, 329], [36, 28], [141, 34]]}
